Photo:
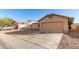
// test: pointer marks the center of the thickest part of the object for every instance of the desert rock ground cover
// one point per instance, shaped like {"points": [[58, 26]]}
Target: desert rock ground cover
{"points": [[70, 40]]}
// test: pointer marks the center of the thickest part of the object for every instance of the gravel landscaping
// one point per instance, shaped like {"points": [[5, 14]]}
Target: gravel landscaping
{"points": [[70, 41]]}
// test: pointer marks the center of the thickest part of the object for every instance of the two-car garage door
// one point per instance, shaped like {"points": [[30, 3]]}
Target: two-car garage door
{"points": [[52, 27]]}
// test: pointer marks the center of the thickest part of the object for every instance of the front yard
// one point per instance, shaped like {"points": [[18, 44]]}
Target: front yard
{"points": [[70, 40], [35, 40]]}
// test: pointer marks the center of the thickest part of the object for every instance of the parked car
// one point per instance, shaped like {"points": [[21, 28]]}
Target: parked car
{"points": [[7, 28]]}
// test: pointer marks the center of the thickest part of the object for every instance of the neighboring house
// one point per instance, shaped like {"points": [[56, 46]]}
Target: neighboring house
{"points": [[75, 26], [35, 25], [24, 25], [53, 23]]}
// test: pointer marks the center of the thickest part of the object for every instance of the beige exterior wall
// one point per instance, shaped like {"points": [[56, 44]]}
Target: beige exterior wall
{"points": [[63, 20], [35, 26], [77, 27], [73, 27]]}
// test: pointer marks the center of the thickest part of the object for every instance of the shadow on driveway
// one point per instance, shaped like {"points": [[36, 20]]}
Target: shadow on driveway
{"points": [[23, 32]]}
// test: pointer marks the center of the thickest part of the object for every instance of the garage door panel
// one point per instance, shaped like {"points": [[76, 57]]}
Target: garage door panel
{"points": [[52, 27]]}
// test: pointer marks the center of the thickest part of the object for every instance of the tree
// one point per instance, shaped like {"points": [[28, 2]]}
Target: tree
{"points": [[15, 24], [6, 21], [70, 22]]}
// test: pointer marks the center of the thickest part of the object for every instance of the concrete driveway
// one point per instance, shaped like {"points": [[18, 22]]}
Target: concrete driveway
{"points": [[32, 41]]}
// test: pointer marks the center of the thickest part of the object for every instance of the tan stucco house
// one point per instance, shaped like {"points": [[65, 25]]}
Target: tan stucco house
{"points": [[53, 23]]}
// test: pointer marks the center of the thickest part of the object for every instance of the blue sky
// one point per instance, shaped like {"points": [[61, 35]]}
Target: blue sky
{"points": [[36, 14]]}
